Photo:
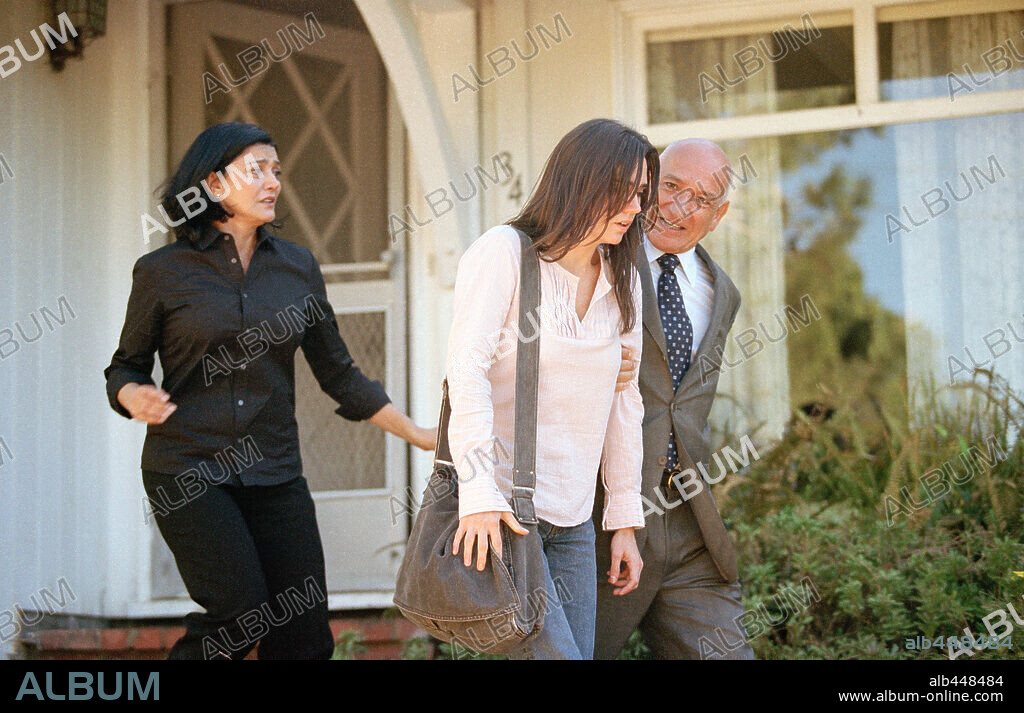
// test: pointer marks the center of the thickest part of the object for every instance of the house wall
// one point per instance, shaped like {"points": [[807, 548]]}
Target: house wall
{"points": [[525, 110], [448, 31], [79, 143]]}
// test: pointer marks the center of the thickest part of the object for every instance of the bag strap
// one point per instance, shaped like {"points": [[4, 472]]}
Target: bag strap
{"points": [[524, 475]]}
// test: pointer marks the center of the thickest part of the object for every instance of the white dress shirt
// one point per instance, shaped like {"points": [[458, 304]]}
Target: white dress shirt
{"points": [[583, 423], [696, 284]]}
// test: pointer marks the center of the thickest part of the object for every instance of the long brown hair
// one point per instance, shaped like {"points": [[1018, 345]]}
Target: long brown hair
{"points": [[592, 173]]}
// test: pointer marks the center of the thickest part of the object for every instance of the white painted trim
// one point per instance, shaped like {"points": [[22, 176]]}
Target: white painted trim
{"points": [[893, 11], [172, 608], [842, 117], [393, 28], [506, 116], [621, 56], [160, 608], [655, 31], [158, 147], [865, 54], [157, 52], [354, 268], [629, 79], [361, 297], [727, 17], [903, 9], [399, 318], [360, 600]]}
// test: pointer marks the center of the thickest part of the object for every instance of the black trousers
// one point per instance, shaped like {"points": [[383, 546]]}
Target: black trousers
{"points": [[252, 557]]}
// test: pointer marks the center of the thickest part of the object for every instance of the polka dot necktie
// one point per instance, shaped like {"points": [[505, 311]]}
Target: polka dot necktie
{"points": [[678, 332]]}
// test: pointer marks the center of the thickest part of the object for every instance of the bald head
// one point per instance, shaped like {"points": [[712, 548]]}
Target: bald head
{"points": [[693, 191], [705, 160]]}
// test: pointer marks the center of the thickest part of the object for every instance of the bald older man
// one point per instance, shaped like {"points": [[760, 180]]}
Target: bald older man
{"points": [[688, 604]]}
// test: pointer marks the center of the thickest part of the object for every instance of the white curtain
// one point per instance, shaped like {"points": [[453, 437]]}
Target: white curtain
{"points": [[962, 270]]}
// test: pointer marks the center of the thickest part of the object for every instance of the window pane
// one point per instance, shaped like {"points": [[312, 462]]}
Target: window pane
{"points": [[872, 263], [982, 52], [749, 74]]}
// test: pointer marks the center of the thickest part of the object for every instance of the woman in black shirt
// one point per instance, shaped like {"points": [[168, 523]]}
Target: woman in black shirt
{"points": [[226, 306]]}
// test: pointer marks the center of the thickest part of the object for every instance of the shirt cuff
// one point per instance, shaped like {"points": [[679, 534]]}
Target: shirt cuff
{"points": [[482, 505], [622, 514], [116, 381], [371, 398], [481, 496]]}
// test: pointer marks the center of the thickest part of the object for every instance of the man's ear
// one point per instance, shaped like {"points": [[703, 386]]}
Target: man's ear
{"points": [[719, 214]]}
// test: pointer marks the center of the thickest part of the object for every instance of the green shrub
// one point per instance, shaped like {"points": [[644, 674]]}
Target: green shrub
{"points": [[827, 505], [349, 645], [417, 648]]}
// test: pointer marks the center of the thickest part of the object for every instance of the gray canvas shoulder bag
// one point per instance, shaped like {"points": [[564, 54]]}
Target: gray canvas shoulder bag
{"points": [[495, 610]]}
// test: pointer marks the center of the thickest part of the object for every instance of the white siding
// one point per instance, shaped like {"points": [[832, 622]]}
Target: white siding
{"points": [[569, 81], [79, 144]]}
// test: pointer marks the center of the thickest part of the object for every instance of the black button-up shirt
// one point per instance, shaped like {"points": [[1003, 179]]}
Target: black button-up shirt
{"points": [[227, 344]]}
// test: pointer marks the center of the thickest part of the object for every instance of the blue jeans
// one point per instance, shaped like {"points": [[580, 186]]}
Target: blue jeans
{"points": [[568, 631]]}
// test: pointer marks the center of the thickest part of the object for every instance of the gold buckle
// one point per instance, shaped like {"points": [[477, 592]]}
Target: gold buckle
{"points": [[667, 481]]}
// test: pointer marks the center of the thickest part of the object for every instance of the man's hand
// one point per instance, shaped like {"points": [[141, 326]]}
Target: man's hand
{"points": [[627, 369], [481, 527], [146, 403], [624, 574]]}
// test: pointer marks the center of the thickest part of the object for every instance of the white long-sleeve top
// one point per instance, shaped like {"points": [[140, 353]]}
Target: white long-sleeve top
{"points": [[582, 422]]}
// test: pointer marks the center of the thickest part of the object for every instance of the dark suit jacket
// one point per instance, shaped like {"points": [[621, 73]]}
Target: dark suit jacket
{"points": [[686, 408]]}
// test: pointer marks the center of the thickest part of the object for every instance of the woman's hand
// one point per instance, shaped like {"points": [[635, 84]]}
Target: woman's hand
{"points": [[394, 421], [425, 438], [627, 369], [481, 527], [146, 403], [625, 554]]}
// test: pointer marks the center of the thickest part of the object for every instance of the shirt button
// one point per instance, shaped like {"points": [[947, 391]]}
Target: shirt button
{"points": [[663, 460], [240, 402], [234, 259]]}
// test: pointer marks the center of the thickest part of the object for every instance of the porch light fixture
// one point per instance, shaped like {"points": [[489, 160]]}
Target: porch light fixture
{"points": [[89, 18]]}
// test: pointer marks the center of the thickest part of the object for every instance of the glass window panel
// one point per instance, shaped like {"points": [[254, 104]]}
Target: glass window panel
{"points": [[982, 52], [874, 264], [749, 74]]}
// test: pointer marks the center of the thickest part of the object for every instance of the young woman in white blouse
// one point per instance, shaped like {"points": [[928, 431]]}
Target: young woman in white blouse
{"points": [[584, 218]]}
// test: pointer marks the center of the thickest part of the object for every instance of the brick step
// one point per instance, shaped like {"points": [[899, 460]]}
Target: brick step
{"points": [[382, 637]]}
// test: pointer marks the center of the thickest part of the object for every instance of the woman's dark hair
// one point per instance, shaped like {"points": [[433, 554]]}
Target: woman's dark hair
{"points": [[211, 152], [591, 175]]}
